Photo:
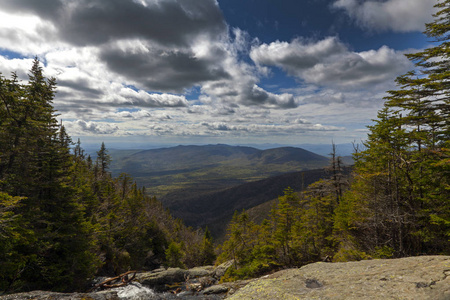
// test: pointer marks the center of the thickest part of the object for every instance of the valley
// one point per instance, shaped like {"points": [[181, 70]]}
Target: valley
{"points": [[204, 169], [205, 185]]}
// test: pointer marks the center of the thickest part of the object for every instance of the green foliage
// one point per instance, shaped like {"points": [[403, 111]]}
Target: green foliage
{"points": [[398, 204], [174, 255], [63, 218], [207, 253], [350, 254], [14, 237], [299, 231]]}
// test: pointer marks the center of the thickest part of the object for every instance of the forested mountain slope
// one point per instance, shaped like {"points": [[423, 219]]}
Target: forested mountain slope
{"points": [[216, 209], [199, 169]]}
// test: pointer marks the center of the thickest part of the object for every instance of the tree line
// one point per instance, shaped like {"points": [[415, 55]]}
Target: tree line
{"points": [[396, 202], [63, 217]]}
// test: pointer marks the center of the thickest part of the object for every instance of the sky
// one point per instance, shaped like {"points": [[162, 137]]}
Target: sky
{"points": [[139, 72]]}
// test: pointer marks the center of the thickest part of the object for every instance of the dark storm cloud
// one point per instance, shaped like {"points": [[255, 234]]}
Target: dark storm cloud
{"points": [[80, 85], [151, 44], [94, 22], [167, 22], [43, 8], [163, 70]]}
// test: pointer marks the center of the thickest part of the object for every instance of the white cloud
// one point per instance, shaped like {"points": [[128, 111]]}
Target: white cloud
{"points": [[26, 34], [330, 63], [81, 127], [19, 66], [134, 54], [395, 15], [128, 67]]}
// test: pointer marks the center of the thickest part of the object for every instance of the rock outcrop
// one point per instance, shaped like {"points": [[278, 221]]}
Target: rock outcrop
{"points": [[424, 277], [418, 278]]}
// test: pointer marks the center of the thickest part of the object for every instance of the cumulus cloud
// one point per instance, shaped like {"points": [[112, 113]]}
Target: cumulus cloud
{"points": [[169, 22], [330, 63], [160, 48], [219, 126], [161, 45], [129, 97], [171, 70], [395, 15], [242, 88], [125, 67], [82, 127]]}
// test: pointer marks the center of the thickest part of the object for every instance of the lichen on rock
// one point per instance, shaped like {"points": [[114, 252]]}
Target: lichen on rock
{"points": [[424, 277]]}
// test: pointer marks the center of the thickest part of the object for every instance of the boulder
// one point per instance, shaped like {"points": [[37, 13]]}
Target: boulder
{"points": [[172, 278], [423, 277], [43, 295], [220, 270], [216, 289], [162, 279], [197, 272]]}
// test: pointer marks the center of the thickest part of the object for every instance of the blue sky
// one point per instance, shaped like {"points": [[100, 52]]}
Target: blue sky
{"points": [[206, 71]]}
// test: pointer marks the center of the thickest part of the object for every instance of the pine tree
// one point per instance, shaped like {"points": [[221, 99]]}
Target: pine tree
{"points": [[208, 256], [402, 182], [36, 164], [284, 218], [424, 105]]}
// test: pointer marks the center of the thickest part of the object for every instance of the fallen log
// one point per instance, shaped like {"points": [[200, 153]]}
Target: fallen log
{"points": [[118, 281]]}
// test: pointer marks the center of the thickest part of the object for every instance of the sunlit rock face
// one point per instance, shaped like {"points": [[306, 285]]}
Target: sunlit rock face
{"points": [[423, 277]]}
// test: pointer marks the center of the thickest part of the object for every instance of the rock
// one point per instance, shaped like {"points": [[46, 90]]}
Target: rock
{"points": [[161, 279], [220, 270], [216, 289], [42, 295], [200, 272], [423, 277]]}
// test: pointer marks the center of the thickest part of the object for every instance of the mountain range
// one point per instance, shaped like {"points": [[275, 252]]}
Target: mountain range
{"points": [[208, 168], [205, 185]]}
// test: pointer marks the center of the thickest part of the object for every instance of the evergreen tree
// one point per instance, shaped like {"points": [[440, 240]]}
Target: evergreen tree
{"points": [[208, 256], [103, 159], [284, 218], [36, 164], [424, 107], [15, 243], [402, 182]]}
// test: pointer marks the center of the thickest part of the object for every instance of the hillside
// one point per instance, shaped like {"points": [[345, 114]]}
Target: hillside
{"points": [[216, 209], [194, 170]]}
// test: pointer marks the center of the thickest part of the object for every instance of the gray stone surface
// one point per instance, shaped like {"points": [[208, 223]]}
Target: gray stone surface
{"points": [[163, 277], [216, 289], [220, 270], [418, 278], [43, 295], [200, 271]]}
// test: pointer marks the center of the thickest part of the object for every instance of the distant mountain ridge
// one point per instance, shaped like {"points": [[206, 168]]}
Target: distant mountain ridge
{"points": [[210, 167], [194, 156]]}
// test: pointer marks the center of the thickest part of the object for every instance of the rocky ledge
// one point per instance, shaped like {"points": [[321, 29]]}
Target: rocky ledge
{"points": [[424, 277], [171, 283]]}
